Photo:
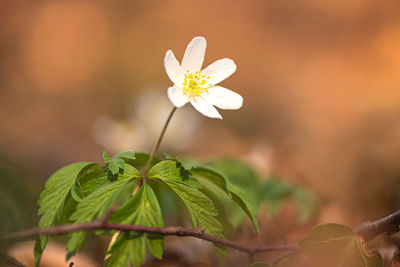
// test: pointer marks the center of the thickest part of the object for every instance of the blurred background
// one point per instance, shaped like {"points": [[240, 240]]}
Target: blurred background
{"points": [[320, 82]]}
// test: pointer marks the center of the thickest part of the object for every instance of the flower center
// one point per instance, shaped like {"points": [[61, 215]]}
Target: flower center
{"points": [[193, 84]]}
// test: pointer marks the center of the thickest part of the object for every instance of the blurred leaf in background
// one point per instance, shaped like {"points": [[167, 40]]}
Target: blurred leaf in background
{"points": [[274, 191], [17, 197]]}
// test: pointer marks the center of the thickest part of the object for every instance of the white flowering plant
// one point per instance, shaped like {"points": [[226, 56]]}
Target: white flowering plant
{"points": [[121, 197]]}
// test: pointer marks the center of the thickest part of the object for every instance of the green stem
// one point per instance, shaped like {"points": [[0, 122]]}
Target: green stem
{"points": [[157, 145], [145, 170]]}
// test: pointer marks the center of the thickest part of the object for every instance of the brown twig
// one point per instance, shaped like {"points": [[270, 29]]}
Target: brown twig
{"points": [[368, 231], [166, 231], [389, 225]]}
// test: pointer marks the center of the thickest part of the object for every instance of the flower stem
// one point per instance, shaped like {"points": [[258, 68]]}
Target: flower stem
{"points": [[145, 170], [157, 145]]}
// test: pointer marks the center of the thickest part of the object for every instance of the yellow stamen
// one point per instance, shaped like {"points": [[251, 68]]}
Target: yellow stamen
{"points": [[194, 83]]}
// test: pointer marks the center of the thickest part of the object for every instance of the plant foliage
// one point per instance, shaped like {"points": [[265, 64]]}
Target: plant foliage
{"points": [[91, 189]]}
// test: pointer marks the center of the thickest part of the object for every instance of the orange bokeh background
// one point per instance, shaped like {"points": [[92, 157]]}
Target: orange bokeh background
{"points": [[320, 81]]}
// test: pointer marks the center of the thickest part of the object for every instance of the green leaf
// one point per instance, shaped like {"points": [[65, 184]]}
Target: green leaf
{"points": [[128, 251], [235, 195], [52, 199], [274, 189], [238, 173], [201, 209], [243, 185], [274, 192], [306, 203], [116, 164], [274, 207], [151, 216], [96, 204], [90, 177], [212, 176], [184, 167], [168, 170], [81, 190], [143, 209], [141, 159], [334, 245], [241, 198], [130, 172], [129, 154], [230, 214], [106, 157], [155, 246]]}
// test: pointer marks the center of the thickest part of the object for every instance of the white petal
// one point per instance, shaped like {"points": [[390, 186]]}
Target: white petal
{"points": [[172, 67], [194, 55], [205, 108], [219, 70], [223, 98], [176, 96]]}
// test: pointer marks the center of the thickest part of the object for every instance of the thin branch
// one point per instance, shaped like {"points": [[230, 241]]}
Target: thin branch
{"points": [[368, 231], [166, 231], [389, 225]]}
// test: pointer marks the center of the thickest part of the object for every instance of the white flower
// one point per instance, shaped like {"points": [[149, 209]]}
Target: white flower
{"points": [[191, 84]]}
